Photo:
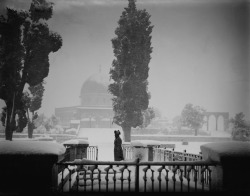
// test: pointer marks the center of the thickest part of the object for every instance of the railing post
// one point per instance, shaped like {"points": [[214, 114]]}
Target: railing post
{"points": [[97, 153], [173, 155], [150, 152], [185, 159], [137, 174]]}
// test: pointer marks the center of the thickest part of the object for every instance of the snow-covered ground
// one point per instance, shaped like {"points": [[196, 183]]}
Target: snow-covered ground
{"points": [[104, 139]]}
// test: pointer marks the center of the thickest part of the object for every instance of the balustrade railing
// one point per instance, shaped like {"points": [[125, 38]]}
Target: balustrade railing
{"points": [[127, 152], [134, 176], [163, 154], [92, 153]]}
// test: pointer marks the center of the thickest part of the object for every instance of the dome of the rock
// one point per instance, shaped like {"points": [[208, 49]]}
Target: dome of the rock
{"points": [[94, 91], [95, 108]]}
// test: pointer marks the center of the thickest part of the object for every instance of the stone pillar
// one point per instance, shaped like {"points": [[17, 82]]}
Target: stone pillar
{"points": [[77, 148], [140, 152], [29, 167], [231, 174], [150, 152], [143, 149]]}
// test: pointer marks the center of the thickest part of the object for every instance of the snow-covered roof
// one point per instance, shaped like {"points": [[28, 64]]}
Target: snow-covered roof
{"points": [[216, 151], [31, 147], [76, 141], [145, 143]]}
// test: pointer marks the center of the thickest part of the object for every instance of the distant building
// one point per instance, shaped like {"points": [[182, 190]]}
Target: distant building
{"points": [[95, 109]]}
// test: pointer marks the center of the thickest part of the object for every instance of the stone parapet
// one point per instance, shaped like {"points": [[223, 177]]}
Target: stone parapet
{"points": [[231, 173], [29, 166], [76, 148], [144, 149]]}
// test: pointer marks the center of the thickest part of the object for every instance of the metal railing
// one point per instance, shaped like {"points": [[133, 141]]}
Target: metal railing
{"points": [[163, 154], [92, 153], [134, 176], [127, 152]]}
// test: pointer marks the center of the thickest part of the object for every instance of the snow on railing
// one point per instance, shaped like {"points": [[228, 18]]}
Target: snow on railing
{"points": [[163, 154], [135, 176], [92, 153]]}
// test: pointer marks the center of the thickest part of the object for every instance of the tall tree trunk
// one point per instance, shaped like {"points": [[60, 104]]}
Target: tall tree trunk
{"points": [[30, 125], [8, 127], [30, 129], [10, 122], [127, 133]]}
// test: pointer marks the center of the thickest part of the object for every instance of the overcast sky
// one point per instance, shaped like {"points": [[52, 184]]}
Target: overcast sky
{"points": [[200, 52]]}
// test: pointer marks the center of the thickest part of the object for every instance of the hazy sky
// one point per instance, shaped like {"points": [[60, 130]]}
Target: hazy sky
{"points": [[200, 52]]}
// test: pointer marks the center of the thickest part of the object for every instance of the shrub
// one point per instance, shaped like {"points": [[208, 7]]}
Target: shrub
{"points": [[241, 134]]}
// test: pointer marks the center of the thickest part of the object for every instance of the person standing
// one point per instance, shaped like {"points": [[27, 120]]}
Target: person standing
{"points": [[118, 153]]}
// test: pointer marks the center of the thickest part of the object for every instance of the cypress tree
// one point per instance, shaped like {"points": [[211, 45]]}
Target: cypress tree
{"points": [[129, 71]]}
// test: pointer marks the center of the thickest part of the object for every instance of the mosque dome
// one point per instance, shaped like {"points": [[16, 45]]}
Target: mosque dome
{"points": [[94, 91]]}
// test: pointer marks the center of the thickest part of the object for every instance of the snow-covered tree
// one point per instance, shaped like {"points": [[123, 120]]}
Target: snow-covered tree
{"points": [[46, 122], [241, 127], [148, 116], [177, 122], [193, 117], [239, 120], [129, 71], [33, 102], [26, 43]]}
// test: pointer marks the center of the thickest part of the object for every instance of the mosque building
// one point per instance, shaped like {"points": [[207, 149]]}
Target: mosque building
{"points": [[95, 109]]}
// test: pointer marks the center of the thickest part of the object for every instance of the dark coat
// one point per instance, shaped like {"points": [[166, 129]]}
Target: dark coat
{"points": [[118, 153]]}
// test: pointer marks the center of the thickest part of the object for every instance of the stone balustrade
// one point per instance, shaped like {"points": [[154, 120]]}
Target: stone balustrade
{"points": [[31, 166]]}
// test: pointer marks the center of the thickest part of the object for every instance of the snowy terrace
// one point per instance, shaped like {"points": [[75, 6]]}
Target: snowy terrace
{"points": [[176, 172], [101, 176], [171, 170]]}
